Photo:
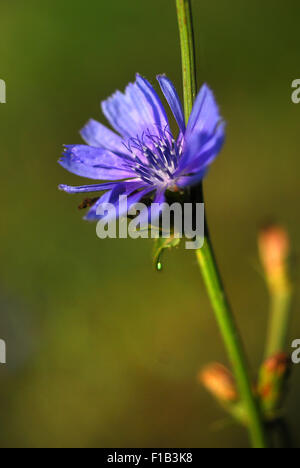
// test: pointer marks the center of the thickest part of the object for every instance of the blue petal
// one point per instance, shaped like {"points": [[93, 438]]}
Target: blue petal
{"points": [[157, 112], [133, 200], [94, 163], [87, 188], [202, 124], [159, 200], [151, 214], [137, 111], [173, 100], [92, 214], [205, 114], [189, 181], [205, 151], [123, 188], [97, 135]]}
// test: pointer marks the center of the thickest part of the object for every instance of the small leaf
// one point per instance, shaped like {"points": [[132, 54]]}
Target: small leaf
{"points": [[160, 245]]}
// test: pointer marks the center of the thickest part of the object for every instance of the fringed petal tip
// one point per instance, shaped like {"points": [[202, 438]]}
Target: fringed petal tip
{"points": [[95, 163], [137, 109], [98, 135], [63, 188]]}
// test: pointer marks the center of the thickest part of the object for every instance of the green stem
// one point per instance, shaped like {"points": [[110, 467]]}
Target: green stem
{"points": [[184, 13], [232, 341], [205, 255], [279, 322]]}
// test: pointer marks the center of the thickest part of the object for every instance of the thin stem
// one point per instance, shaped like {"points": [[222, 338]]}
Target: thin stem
{"points": [[279, 322], [184, 13], [232, 341], [205, 255]]}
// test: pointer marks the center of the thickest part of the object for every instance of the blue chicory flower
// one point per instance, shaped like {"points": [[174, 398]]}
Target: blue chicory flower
{"points": [[144, 158]]}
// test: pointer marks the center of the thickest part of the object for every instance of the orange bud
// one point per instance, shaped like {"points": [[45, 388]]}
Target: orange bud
{"points": [[219, 381], [274, 247]]}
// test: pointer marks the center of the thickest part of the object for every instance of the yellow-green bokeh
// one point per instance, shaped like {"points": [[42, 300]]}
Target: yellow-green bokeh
{"points": [[102, 350]]}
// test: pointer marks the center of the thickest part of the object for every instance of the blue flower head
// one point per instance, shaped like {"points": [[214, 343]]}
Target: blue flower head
{"points": [[144, 159]]}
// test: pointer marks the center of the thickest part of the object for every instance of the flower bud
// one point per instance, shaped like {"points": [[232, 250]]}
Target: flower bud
{"points": [[273, 377], [219, 381], [277, 365], [274, 247]]}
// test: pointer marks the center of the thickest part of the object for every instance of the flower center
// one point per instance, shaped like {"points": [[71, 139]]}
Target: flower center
{"points": [[155, 158]]}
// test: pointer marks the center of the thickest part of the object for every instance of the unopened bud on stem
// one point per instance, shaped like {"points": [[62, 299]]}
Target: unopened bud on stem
{"points": [[219, 381], [274, 247], [273, 377]]}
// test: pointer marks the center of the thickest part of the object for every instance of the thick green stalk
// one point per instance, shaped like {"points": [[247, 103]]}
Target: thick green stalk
{"points": [[205, 255]]}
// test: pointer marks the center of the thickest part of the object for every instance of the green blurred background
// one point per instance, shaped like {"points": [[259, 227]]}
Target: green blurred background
{"points": [[102, 350]]}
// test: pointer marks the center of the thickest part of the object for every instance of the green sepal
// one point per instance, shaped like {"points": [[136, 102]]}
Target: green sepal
{"points": [[160, 245]]}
